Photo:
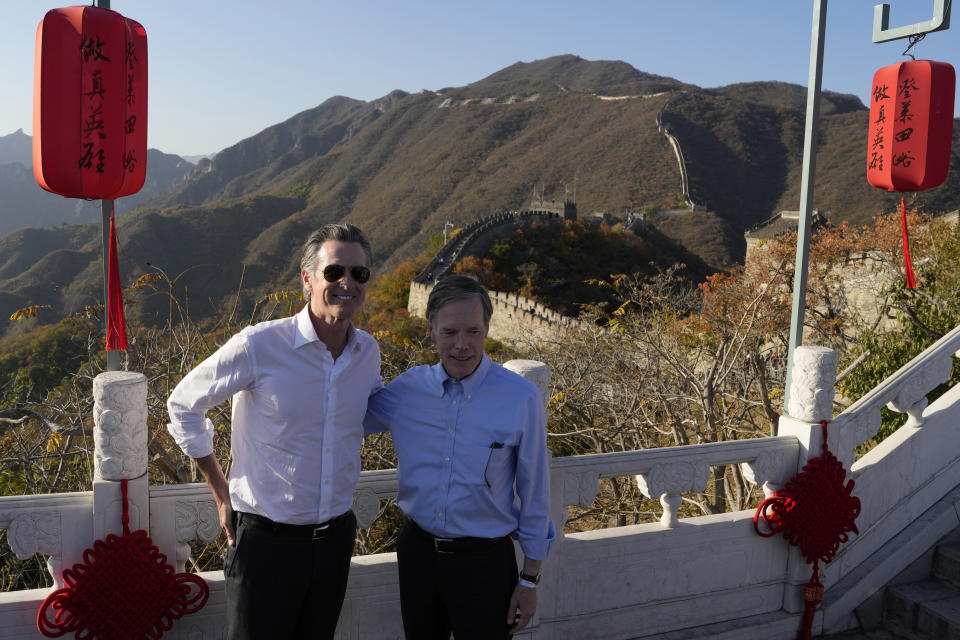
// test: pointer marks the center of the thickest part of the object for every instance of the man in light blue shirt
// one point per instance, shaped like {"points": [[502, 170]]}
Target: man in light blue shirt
{"points": [[470, 438]]}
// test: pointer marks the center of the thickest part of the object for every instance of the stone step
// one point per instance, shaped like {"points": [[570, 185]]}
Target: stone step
{"points": [[876, 634], [946, 564], [923, 610]]}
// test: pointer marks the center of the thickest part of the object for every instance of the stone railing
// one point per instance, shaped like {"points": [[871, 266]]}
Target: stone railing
{"points": [[708, 576]]}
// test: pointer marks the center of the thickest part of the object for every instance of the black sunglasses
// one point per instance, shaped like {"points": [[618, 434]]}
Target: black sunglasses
{"points": [[334, 272]]}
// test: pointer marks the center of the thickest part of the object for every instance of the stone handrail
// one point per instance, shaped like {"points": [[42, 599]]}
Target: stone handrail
{"points": [[654, 573], [904, 392], [667, 472], [34, 522], [50, 524]]}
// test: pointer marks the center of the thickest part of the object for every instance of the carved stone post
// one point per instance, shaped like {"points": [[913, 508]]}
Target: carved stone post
{"points": [[534, 371], [811, 400], [539, 374], [120, 437]]}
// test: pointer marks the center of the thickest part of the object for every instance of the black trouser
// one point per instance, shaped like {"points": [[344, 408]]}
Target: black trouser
{"points": [[287, 581], [465, 587]]}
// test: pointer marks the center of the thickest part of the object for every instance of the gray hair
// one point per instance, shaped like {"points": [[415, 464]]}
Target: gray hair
{"points": [[337, 233], [458, 287]]}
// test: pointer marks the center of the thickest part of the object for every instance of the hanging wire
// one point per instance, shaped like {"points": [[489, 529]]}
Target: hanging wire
{"points": [[913, 42]]}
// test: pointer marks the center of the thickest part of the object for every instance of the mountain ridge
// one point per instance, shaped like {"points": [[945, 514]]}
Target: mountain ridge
{"points": [[404, 165]]}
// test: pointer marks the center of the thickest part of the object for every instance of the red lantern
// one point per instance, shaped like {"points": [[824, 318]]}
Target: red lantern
{"points": [[911, 125], [90, 103], [911, 131]]}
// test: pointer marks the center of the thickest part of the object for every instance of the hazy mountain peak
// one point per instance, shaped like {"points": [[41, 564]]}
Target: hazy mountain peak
{"points": [[16, 147]]}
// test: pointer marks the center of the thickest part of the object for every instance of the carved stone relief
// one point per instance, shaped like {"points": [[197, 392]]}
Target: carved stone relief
{"points": [[120, 425], [811, 383], [35, 532], [766, 470], [197, 519], [674, 477], [366, 506]]}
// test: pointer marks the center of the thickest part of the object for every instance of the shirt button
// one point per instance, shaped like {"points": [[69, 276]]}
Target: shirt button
{"points": [[454, 402], [447, 459], [450, 430], [328, 449], [443, 486], [440, 514]]}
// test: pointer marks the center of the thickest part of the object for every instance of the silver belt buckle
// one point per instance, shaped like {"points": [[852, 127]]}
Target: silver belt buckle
{"points": [[320, 531], [436, 544]]}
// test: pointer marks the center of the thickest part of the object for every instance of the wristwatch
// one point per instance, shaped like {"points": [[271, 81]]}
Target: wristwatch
{"points": [[529, 578]]}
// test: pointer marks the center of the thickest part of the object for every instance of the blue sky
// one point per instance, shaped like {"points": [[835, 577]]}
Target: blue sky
{"points": [[221, 71]]}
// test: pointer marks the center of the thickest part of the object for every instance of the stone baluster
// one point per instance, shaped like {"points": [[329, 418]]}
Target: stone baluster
{"points": [[120, 437], [667, 482], [536, 372], [911, 398], [767, 471], [539, 374], [813, 376]]}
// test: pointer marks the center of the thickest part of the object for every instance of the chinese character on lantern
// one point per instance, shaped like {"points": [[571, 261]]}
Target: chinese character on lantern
{"points": [[90, 103]]}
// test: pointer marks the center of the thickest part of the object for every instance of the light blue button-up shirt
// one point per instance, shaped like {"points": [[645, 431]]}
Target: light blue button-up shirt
{"points": [[472, 453]]}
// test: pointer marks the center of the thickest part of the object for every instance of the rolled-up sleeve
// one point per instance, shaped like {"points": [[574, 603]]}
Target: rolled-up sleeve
{"points": [[217, 378], [535, 531]]}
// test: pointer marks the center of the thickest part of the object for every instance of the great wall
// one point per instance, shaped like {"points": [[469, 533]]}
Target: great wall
{"points": [[513, 316]]}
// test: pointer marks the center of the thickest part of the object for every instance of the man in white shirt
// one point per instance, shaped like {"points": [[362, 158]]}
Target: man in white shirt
{"points": [[299, 387]]}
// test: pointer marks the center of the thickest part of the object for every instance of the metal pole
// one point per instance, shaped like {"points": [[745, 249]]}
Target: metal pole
{"points": [[806, 188], [106, 210]]}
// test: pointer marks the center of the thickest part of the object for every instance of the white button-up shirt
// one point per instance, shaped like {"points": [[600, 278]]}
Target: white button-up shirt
{"points": [[297, 417]]}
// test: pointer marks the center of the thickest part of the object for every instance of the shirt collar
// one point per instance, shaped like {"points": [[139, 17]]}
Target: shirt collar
{"points": [[437, 376], [305, 333]]}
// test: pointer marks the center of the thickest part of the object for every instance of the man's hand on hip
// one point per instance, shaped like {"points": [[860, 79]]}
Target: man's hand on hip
{"points": [[220, 489]]}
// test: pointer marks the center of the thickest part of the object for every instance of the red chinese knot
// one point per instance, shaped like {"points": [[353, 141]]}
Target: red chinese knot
{"points": [[123, 589], [911, 125], [814, 511], [90, 103]]}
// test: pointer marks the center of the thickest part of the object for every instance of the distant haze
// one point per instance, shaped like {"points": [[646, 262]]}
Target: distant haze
{"points": [[261, 63]]}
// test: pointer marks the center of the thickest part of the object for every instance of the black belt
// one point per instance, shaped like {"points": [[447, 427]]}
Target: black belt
{"points": [[456, 545], [312, 531]]}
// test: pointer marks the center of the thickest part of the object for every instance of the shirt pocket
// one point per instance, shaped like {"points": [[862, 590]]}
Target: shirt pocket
{"points": [[489, 466], [500, 468]]}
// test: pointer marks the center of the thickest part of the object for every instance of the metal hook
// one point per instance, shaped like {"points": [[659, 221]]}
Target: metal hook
{"points": [[913, 41], [881, 22]]}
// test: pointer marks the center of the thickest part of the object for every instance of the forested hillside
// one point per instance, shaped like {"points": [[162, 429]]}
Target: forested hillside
{"points": [[405, 165]]}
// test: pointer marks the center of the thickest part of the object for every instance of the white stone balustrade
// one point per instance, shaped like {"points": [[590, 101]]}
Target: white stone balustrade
{"points": [[664, 578], [905, 391], [667, 472]]}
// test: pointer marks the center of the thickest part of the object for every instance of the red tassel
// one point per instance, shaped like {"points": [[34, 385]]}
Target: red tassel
{"points": [[812, 596], [908, 267], [116, 325]]}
